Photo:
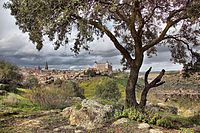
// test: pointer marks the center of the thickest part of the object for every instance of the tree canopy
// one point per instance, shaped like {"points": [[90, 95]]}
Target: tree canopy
{"points": [[9, 74], [134, 27]]}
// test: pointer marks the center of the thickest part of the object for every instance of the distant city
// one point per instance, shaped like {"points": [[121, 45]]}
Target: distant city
{"points": [[46, 75]]}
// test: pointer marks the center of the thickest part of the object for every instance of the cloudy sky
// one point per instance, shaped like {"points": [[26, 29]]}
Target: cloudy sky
{"points": [[15, 47]]}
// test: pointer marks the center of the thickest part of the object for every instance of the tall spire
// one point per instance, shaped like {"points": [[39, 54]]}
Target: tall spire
{"points": [[46, 66]]}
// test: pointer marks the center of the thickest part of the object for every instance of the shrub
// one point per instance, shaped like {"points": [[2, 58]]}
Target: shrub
{"points": [[144, 116], [90, 73], [9, 74], [108, 90], [52, 96], [164, 123], [31, 82]]}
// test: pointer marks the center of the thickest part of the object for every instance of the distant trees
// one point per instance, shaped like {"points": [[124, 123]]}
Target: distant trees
{"points": [[9, 74], [90, 73]]}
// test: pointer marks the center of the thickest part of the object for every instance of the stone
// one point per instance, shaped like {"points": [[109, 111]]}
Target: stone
{"points": [[67, 111], [143, 126], [120, 121], [155, 131], [91, 115]]}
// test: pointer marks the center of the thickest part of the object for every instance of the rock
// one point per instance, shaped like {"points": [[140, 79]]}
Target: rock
{"points": [[155, 131], [143, 125], [67, 111], [120, 121], [91, 115]]}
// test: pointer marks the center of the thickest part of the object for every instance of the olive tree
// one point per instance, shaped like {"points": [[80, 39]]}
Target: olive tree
{"points": [[135, 27]]}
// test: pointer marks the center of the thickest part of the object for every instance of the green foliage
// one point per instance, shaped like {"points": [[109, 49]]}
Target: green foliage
{"points": [[164, 123], [9, 74], [78, 106], [31, 82], [18, 102], [186, 130], [145, 117], [53, 96], [90, 73], [108, 90]]}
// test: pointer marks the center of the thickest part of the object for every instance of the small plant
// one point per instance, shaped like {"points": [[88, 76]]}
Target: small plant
{"points": [[78, 106], [145, 117], [164, 123], [186, 130]]}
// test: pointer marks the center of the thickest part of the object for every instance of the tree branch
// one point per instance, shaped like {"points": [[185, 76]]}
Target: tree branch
{"points": [[156, 82], [102, 28], [146, 76]]}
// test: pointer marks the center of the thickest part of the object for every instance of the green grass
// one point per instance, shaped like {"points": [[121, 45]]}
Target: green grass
{"points": [[184, 121], [17, 102], [90, 85]]}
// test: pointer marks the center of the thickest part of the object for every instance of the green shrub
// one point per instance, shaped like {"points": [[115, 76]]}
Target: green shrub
{"points": [[186, 130], [144, 116], [52, 96], [164, 123], [9, 74], [108, 90]]}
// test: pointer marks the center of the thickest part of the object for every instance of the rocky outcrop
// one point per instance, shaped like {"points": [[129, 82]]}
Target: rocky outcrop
{"points": [[91, 115]]}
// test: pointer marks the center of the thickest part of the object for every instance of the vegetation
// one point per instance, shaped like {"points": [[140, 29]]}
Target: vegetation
{"points": [[31, 82], [108, 90], [90, 73], [55, 96], [133, 26], [17, 102], [10, 76], [146, 117]]}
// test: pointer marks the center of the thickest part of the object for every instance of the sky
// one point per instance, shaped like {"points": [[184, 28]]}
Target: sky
{"points": [[16, 47]]}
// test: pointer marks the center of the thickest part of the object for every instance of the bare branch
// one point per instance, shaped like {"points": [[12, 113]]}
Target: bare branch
{"points": [[146, 76], [157, 80]]}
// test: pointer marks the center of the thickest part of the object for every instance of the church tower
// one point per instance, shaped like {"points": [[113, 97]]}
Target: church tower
{"points": [[46, 66]]}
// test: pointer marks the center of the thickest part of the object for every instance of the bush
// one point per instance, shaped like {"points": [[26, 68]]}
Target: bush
{"points": [[31, 82], [52, 96], [9, 74], [108, 90], [146, 117], [90, 73]]}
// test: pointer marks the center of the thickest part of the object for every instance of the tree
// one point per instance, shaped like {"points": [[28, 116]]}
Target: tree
{"points": [[135, 27], [108, 90], [9, 74]]}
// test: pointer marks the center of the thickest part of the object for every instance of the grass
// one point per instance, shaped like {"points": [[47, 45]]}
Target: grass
{"points": [[16, 102], [183, 121], [90, 85]]}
